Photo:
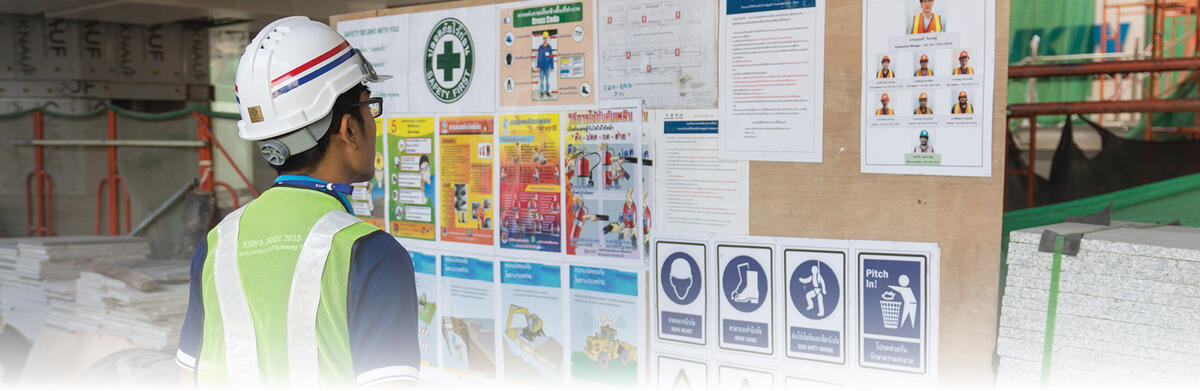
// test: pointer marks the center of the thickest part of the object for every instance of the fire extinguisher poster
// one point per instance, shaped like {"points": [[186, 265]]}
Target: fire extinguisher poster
{"points": [[745, 311], [602, 173], [893, 311], [682, 298], [530, 196]]}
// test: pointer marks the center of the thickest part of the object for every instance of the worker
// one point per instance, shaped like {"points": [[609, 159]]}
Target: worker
{"points": [[884, 69], [292, 290], [924, 146], [926, 21], [963, 69], [883, 108], [962, 107], [923, 109], [924, 71], [545, 64]]}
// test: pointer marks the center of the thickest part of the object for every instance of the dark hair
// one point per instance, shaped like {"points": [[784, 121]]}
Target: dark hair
{"points": [[424, 160], [307, 160]]}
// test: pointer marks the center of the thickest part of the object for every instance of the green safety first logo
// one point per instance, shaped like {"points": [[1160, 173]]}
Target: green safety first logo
{"points": [[449, 60]]}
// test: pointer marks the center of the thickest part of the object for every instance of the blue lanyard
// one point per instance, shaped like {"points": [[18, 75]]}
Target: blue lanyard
{"points": [[337, 190]]}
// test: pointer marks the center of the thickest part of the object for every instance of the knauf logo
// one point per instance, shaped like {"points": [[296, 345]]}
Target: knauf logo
{"points": [[125, 42], [154, 45], [449, 60], [92, 45], [56, 38], [25, 47]]}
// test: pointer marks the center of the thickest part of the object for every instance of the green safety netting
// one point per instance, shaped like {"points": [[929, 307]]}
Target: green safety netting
{"points": [[1065, 27], [123, 113]]}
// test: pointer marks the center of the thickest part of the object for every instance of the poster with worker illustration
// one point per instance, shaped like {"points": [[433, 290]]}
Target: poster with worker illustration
{"points": [[533, 335], [894, 316], [607, 327], [547, 54], [663, 51], [815, 309], [429, 333], [603, 174], [465, 145], [450, 68], [927, 87], [367, 198], [382, 41], [410, 177], [745, 313], [682, 297], [530, 191], [468, 325], [648, 206]]}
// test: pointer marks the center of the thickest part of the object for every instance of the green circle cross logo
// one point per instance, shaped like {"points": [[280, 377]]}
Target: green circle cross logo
{"points": [[449, 60]]}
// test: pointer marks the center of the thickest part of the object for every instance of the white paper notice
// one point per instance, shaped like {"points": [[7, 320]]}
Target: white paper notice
{"points": [[927, 87], [450, 61], [698, 192], [382, 42], [664, 51], [772, 79]]}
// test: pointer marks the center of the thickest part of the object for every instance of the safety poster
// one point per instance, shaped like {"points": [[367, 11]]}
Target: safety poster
{"points": [[428, 325], [410, 176], [530, 177], [547, 54], [603, 181], [533, 336], [466, 179], [607, 327], [468, 325], [746, 309], [682, 299]]}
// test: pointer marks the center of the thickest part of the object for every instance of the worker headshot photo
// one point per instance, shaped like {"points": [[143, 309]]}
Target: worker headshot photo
{"points": [[885, 70], [963, 106], [963, 67], [883, 106], [926, 21], [923, 105], [292, 290], [924, 70], [923, 145]]}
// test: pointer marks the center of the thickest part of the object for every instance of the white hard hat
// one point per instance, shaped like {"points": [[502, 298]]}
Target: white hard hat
{"points": [[681, 269], [287, 81]]}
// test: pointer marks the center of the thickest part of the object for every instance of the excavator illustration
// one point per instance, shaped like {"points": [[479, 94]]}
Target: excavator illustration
{"points": [[604, 346], [531, 339]]}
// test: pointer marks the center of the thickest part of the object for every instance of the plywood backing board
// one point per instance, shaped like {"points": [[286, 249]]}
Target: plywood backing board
{"points": [[834, 200]]}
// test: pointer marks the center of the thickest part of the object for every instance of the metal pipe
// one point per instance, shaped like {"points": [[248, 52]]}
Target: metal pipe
{"points": [[172, 200], [1107, 67], [114, 223], [112, 143], [1105, 107]]}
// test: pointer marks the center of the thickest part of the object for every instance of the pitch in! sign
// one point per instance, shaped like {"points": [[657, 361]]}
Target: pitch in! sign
{"points": [[449, 60]]}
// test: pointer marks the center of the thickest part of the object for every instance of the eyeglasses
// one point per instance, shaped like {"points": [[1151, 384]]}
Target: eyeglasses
{"points": [[374, 104]]}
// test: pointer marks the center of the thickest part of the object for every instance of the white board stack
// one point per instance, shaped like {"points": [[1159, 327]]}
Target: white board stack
{"points": [[1128, 309], [37, 272], [104, 305]]}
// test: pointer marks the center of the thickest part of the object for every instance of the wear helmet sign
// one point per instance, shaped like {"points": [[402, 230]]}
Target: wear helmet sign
{"points": [[682, 307]]}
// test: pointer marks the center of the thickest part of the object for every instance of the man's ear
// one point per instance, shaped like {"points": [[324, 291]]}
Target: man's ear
{"points": [[349, 131]]}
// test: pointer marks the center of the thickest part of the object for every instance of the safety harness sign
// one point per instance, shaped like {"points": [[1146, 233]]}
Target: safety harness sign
{"points": [[893, 311], [682, 297], [815, 311], [745, 314]]}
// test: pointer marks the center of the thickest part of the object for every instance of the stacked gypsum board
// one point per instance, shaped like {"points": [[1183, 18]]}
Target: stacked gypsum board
{"points": [[1128, 308], [37, 272], [150, 319]]}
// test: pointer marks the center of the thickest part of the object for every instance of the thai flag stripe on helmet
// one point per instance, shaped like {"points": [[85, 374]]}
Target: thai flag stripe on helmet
{"points": [[292, 79]]}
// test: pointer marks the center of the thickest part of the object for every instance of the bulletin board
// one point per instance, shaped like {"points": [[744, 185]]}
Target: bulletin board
{"points": [[834, 200]]}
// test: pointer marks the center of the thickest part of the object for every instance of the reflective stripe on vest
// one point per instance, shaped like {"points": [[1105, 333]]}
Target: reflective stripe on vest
{"points": [[241, 348], [919, 27], [958, 109]]}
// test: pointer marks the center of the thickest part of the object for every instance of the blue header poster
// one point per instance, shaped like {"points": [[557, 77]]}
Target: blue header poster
{"points": [[469, 321], [815, 289], [425, 282], [533, 334], [682, 299], [745, 312], [607, 327], [893, 308]]}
